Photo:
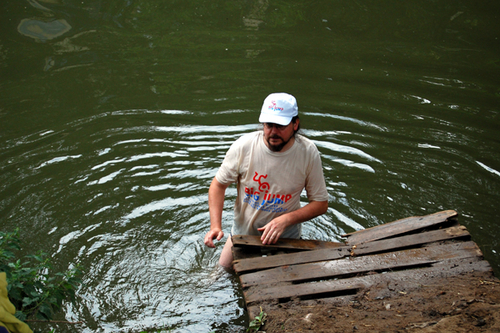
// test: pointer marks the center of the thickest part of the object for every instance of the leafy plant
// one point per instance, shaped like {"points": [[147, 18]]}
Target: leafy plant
{"points": [[258, 322], [34, 290]]}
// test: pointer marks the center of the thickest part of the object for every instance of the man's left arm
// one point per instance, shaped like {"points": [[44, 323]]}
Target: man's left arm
{"points": [[272, 231]]}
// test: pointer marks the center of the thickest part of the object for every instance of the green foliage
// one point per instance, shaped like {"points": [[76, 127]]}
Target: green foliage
{"points": [[259, 321], [34, 290]]}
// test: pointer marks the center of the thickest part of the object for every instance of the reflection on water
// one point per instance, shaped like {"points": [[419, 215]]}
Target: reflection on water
{"points": [[43, 31], [44, 28]]}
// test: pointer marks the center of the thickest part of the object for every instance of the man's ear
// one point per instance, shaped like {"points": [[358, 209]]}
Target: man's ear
{"points": [[296, 125]]}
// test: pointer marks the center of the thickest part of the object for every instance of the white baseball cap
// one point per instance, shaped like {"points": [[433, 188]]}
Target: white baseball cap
{"points": [[279, 108]]}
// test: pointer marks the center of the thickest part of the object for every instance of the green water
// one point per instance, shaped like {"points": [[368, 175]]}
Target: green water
{"points": [[115, 115]]}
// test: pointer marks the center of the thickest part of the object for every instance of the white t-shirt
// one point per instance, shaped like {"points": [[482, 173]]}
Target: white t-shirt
{"points": [[269, 183]]}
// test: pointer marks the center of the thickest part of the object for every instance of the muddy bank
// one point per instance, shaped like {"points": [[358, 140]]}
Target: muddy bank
{"points": [[463, 303]]}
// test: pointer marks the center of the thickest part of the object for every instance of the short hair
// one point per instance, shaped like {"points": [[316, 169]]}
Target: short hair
{"points": [[294, 119]]}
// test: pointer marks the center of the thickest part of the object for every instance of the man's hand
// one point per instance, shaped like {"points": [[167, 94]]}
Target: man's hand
{"points": [[209, 237], [215, 206], [272, 231]]}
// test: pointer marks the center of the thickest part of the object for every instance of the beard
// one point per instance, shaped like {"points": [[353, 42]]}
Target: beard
{"points": [[278, 147]]}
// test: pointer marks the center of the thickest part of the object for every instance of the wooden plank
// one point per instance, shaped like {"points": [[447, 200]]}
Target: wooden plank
{"points": [[264, 294], [253, 264], [284, 243], [357, 265], [406, 279], [398, 227], [446, 213], [330, 269], [411, 240]]}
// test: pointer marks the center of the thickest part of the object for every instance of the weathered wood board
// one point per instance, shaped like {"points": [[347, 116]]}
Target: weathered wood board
{"points": [[290, 244], [408, 251], [400, 227]]}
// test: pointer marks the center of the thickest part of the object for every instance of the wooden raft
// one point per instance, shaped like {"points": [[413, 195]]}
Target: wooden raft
{"points": [[407, 251]]}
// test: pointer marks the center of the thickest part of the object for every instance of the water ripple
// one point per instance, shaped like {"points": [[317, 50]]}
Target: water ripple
{"points": [[337, 148], [124, 194]]}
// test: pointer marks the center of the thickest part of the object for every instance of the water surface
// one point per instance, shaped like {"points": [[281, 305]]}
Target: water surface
{"points": [[115, 115]]}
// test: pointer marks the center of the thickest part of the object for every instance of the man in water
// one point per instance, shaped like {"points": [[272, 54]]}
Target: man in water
{"points": [[271, 167]]}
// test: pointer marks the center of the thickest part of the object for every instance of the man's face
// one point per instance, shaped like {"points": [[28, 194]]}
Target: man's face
{"points": [[278, 136]]}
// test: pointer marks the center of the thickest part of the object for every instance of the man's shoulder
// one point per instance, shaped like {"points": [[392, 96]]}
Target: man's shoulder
{"points": [[306, 142], [247, 138]]}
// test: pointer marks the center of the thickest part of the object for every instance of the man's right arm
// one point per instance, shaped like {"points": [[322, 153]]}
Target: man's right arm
{"points": [[216, 194]]}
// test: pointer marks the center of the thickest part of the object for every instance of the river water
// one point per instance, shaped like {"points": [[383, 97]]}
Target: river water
{"points": [[115, 115]]}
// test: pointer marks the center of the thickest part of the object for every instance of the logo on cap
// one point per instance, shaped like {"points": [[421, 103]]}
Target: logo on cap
{"points": [[274, 107]]}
